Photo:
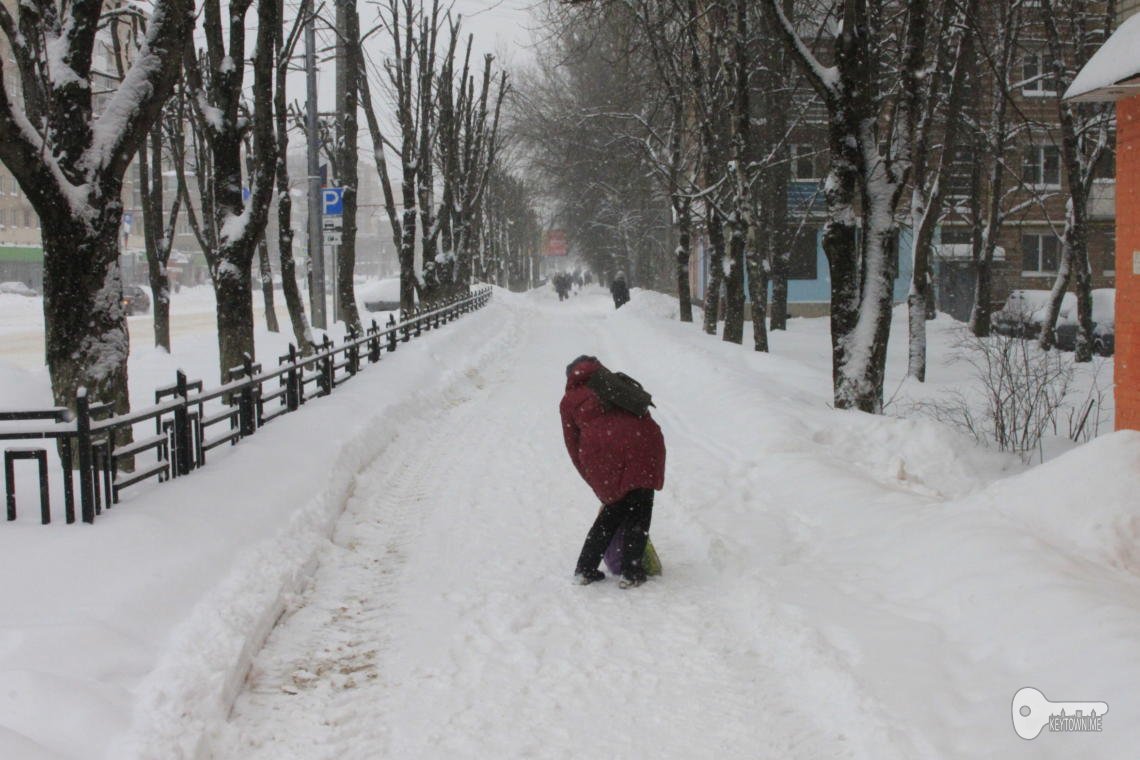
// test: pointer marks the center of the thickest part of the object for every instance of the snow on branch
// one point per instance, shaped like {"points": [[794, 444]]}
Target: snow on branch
{"points": [[138, 100]]}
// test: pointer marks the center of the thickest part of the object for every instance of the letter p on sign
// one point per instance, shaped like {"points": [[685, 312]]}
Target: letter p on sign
{"points": [[332, 201]]}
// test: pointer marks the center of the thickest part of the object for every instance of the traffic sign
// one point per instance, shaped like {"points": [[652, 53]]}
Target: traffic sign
{"points": [[332, 237], [332, 201], [554, 243], [332, 222]]}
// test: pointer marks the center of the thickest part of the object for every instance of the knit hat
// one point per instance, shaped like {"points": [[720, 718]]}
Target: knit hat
{"points": [[583, 357]]}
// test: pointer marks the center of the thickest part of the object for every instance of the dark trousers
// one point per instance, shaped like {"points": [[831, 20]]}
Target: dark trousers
{"points": [[634, 511]]}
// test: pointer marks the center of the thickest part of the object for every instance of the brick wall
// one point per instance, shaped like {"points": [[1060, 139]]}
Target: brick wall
{"points": [[1127, 372]]}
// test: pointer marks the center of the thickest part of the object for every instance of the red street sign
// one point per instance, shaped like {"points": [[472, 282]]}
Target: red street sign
{"points": [[554, 243]]}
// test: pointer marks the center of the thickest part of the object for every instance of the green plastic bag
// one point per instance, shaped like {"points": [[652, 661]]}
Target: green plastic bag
{"points": [[651, 562]]}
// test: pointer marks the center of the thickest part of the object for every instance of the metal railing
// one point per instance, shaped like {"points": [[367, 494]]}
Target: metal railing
{"points": [[189, 420]]}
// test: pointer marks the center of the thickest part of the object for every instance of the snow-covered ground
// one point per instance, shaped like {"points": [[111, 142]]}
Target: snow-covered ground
{"points": [[836, 584]]}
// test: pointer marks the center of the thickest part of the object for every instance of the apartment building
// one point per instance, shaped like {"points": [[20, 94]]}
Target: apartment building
{"points": [[1028, 251]]}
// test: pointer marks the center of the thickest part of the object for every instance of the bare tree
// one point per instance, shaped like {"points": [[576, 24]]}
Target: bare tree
{"points": [[294, 303], [999, 30], [467, 145], [579, 120], [413, 33], [215, 78], [862, 270], [941, 96], [69, 152], [158, 237], [347, 77], [1074, 30], [159, 230]]}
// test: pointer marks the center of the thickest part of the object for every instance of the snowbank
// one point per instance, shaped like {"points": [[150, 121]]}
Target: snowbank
{"points": [[129, 637]]}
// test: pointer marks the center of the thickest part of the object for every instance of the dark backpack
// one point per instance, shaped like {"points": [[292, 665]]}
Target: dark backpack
{"points": [[617, 389]]}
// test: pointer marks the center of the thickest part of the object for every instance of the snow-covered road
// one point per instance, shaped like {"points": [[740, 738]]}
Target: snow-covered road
{"points": [[836, 585]]}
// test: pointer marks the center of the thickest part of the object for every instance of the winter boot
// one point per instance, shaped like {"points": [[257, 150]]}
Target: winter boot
{"points": [[633, 582], [586, 577]]}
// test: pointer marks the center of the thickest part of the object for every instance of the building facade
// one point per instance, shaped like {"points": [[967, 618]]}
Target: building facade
{"points": [[1035, 195]]}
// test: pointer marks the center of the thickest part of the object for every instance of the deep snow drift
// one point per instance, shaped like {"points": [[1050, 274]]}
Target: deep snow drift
{"points": [[836, 584]]}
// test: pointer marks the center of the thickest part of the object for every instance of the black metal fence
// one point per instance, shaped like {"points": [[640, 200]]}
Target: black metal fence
{"points": [[189, 420]]}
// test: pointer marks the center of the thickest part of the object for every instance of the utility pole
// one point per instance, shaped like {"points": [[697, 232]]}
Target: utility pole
{"points": [[316, 250], [341, 107]]}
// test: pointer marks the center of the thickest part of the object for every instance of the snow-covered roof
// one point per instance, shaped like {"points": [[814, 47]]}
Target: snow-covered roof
{"points": [[1114, 71]]}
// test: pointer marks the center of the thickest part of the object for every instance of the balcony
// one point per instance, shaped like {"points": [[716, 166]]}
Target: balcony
{"points": [[805, 198], [1102, 200]]}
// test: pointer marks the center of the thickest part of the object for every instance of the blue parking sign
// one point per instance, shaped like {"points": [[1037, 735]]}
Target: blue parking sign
{"points": [[332, 201]]}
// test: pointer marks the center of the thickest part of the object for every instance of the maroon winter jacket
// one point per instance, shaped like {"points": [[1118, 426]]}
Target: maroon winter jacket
{"points": [[614, 450]]}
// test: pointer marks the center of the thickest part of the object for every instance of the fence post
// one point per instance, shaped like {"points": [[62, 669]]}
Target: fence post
{"points": [[292, 395], [353, 351], [183, 448], [391, 333], [374, 343], [245, 403], [418, 318], [328, 370], [68, 493], [83, 443]]}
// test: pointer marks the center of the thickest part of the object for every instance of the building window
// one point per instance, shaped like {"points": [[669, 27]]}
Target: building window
{"points": [[959, 173], [1105, 169], [1037, 76], [1042, 166], [803, 263], [956, 236], [804, 163], [1040, 254]]}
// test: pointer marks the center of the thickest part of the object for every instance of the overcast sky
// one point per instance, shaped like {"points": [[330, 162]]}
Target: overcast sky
{"points": [[502, 27]]}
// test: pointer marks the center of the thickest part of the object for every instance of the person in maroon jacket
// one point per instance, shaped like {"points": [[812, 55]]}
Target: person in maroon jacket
{"points": [[622, 458]]}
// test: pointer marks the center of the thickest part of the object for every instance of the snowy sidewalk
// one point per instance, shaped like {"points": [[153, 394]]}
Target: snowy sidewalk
{"points": [[835, 585], [442, 621]]}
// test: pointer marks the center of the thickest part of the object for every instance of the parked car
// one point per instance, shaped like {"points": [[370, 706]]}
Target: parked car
{"points": [[135, 300], [1024, 310], [380, 295], [18, 289], [1104, 323]]}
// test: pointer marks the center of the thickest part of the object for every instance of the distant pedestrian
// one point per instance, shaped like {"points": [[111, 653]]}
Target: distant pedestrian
{"points": [[621, 456], [562, 285], [619, 289]]}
